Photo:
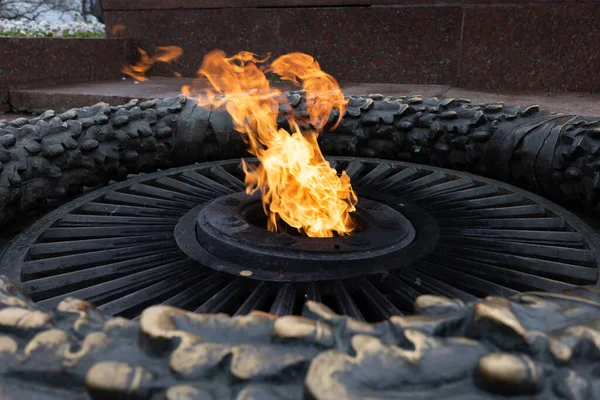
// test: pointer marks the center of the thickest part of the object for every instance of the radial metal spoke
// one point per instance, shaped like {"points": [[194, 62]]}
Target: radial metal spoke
{"points": [[504, 212], [153, 191], [139, 299], [424, 182], [255, 300], [550, 238], [113, 289], [403, 294], [56, 265], [284, 301], [499, 274], [123, 210], [354, 169], [378, 302], [75, 246], [57, 284], [203, 182], [376, 175], [64, 234], [516, 223], [197, 293], [345, 302], [223, 298], [183, 187], [313, 292], [441, 189], [521, 263], [469, 283], [432, 285], [398, 180], [220, 172], [553, 253], [503, 200], [143, 201], [95, 220], [461, 195]]}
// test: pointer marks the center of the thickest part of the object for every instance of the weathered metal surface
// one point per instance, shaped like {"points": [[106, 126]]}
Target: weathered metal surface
{"points": [[116, 247], [231, 236], [531, 346]]}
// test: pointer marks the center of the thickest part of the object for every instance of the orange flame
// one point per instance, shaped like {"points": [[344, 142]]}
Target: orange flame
{"points": [[165, 54], [297, 184]]}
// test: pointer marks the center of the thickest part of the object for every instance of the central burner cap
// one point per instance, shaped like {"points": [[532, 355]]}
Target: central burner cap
{"points": [[229, 234]]}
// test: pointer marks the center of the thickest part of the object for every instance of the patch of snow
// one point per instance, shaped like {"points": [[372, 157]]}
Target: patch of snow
{"points": [[53, 15]]}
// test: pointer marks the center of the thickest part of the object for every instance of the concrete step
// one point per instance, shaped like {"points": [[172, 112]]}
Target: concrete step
{"points": [[61, 98]]}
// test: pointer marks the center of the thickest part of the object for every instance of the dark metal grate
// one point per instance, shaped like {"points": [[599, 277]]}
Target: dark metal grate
{"points": [[115, 247]]}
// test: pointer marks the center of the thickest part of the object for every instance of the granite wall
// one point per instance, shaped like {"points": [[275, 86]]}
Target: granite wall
{"points": [[478, 44], [45, 61]]}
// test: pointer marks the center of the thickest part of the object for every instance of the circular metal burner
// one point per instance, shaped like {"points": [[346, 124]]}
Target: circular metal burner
{"points": [[229, 238], [116, 247]]}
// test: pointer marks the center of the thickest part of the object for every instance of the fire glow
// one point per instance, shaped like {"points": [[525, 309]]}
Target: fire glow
{"points": [[297, 184]]}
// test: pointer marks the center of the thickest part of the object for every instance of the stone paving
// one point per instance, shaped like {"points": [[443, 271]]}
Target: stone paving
{"points": [[61, 98]]}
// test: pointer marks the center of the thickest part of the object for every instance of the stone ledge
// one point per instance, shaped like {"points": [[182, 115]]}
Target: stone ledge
{"points": [[63, 97], [45, 61]]}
